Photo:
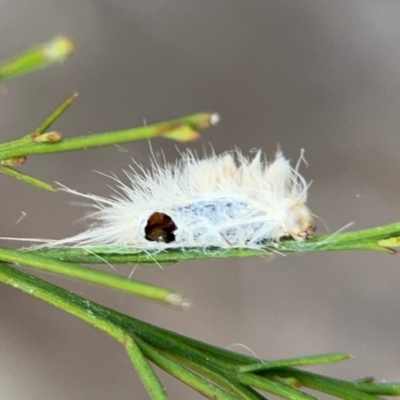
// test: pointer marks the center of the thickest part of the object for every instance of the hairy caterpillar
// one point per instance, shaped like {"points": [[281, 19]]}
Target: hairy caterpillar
{"points": [[225, 201]]}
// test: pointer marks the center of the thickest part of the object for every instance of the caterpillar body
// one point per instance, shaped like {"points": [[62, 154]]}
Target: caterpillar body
{"points": [[225, 201]]}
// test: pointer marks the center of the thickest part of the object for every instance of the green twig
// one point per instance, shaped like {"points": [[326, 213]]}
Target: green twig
{"points": [[30, 180], [295, 362], [152, 340], [383, 389], [227, 381], [37, 134], [54, 116], [183, 128], [194, 381], [39, 142], [37, 57], [145, 372], [276, 388], [375, 239], [98, 277], [335, 387]]}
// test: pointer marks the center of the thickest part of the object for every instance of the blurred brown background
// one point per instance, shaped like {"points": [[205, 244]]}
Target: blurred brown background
{"points": [[323, 75]]}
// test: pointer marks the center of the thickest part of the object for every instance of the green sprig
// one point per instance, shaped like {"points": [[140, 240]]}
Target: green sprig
{"points": [[211, 371], [375, 239], [15, 152], [185, 129], [109, 280], [38, 57]]}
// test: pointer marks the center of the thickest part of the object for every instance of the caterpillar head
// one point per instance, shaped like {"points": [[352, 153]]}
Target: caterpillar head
{"points": [[299, 223]]}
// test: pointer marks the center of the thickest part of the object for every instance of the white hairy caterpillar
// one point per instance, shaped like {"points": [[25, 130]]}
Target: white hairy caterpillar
{"points": [[224, 201]]}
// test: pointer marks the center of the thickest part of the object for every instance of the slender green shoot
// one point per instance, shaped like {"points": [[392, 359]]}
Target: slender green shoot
{"points": [[146, 374], [375, 239], [40, 142], [54, 116], [30, 180], [185, 128], [38, 57], [335, 387], [296, 362], [193, 362], [191, 379], [39, 135], [109, 280]]}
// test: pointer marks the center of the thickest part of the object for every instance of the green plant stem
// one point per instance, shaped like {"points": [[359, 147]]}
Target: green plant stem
{"points": [[149, 379], [74, 305], [54, 116], [298, 361], [276, 388], [91, 275], [30, 180], [43, 126], [37, 57], [369, 239], [383, 389], [60, 298], [120, 327], [194, 122], [225, 380], [334, 387], [194, 381]]}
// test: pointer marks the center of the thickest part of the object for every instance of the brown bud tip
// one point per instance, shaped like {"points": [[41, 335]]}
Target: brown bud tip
{"points": [[48, 137], [15, 161]]}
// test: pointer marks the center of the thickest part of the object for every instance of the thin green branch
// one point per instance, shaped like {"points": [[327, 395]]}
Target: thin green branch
{"points": [[38, 57], [382, 389], [37, 134], [161, 339], [146, 374], [30, 180], [169, 343], [41, 142], [276, 388], [295, 362], [376, 239], [223, 379], [62, 299], [183, 129], [191, 379], [124, 329], [112, 281], [75, 305], [335, 387], [54, 116]]}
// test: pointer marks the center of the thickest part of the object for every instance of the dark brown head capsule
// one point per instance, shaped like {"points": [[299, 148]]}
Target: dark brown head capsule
{"points": [[160, 228]]}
